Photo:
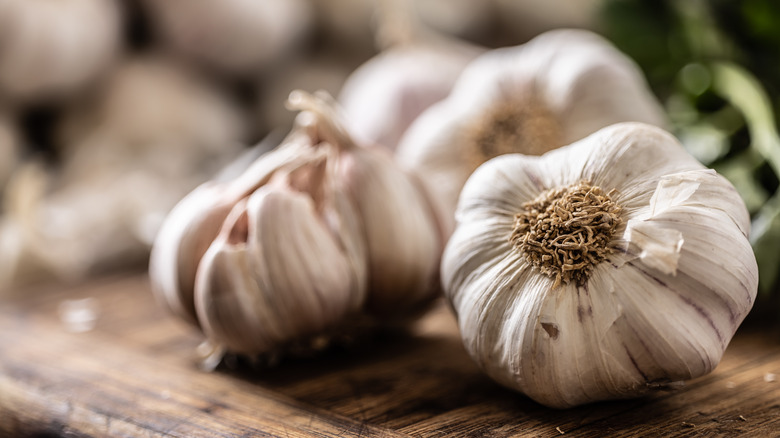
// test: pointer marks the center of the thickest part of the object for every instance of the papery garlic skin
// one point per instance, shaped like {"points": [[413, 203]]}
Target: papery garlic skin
{"points": [[661, 308], [48, 51], [551, 91]]}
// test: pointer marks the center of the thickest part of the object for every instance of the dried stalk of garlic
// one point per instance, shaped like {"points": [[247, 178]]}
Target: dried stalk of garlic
{"points": [[601, 269], [315, 234], [551, 91]]}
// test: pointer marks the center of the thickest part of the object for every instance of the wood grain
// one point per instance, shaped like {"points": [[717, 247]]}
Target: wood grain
{"points": [[136, 374]]}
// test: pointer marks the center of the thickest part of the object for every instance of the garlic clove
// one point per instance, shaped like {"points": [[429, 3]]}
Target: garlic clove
{"points": [[660, 305], [277, 273], [194, 223], [402, 236]]}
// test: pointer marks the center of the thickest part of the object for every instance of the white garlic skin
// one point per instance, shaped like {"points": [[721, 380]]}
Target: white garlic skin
{"points": [[48, 51], [383, 96], [233, 36], [580, 78], [662, 311]]}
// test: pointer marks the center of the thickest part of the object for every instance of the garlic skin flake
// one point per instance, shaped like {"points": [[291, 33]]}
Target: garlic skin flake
{"points": [[558, 88], [676, 279]]}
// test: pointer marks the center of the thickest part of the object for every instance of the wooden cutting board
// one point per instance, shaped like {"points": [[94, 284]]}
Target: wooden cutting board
{"points": [[118, 365]]}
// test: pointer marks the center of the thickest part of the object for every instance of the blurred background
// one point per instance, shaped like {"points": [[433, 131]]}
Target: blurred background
{"points": [[112, 110]]}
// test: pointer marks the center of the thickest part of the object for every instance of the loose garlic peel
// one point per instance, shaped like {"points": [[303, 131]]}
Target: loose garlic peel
{"points": [[301, 244], [659, 300]]}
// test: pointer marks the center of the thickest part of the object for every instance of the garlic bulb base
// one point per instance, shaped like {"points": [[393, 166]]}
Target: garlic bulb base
{"points": [[566, 232]]}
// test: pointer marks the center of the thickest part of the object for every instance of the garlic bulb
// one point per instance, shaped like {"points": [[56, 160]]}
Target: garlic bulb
{"points": [[155, 114], [601, 269], [314, 234], [47, 48], [152, 134], [383, 96], [554, 90], [235, 36]]}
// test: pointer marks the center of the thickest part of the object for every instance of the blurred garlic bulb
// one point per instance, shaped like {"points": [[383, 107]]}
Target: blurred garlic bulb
{"points": [[235, 36], [153, 134], [385, 94], [599, 270], [314, 234], [155, 114], [9, 149], [51, 48], [556, 89]]}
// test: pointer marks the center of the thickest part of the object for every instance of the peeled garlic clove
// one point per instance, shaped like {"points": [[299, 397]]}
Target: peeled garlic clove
{"points": [[601, 269], [47, 49], [556, 89], [278, 272], [235, 36], [402, 235]]}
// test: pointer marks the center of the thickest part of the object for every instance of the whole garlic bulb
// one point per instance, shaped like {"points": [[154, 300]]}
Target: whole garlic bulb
{"points": [[601, 269], [52, 48], [235, 36], [313, 235], [554, 90]]}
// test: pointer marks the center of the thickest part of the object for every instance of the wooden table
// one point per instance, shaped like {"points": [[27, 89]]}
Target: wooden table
{"points": [[135, 374]]}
